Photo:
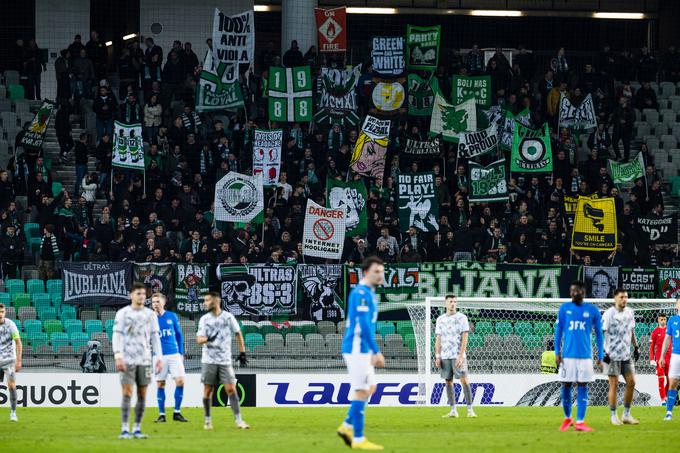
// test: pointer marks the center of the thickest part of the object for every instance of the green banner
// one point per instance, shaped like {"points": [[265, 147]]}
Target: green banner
{"points": [[35, 135], [350, 197], [218, 87], [417, 201], [488, 183], [421, 94], [191, 286], [422, 47], [290, 94], [450, 120], [531, 150], [466, 87], [627, 171]]}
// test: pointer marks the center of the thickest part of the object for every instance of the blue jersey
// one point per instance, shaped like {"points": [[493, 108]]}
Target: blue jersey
{"points": [[172, 340], [673, 329], [573, 330], [362, 319]]}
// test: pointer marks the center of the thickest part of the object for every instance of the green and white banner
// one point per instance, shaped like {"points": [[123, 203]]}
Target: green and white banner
{"points": [[290, 94], [627, 171], [350, 197], [507, 125], [531, 150], [466, 87], [192, 283], [422, 47], [577, 117], [473, 144], [451, 120], [488, 183], [387, 54], [338, 101], [421, 94], [128, 148], [668, 282], [35, 135], [417, 201], [238, 198], [218, 87]]}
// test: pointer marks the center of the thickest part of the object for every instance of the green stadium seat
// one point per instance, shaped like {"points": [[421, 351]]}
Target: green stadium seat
{"points": [[58, 339], [483, 327], [67, 312], [476, 341], [533, 341], [249, 328], [386, 328], [543, 328], [109, 324], [93, 325], [34, 244], [21, 300], [35, 286], [14, 285], [53, 326], [47, 313], [410, 342], [32, 326], [6, 299], [504, 328], [78, 339], [31, 230], [56, 299], [266, 329], [54, 286], [401, 324], [41, 300], [38, 339], [72, 326], [306, 329], [253, 340], [15, 92], [404, 330], [524, 328]]}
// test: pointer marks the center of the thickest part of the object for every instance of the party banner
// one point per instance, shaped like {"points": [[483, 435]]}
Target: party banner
{"points": [[368, 155], [238, 198], [451, 120], [466, 87], [594, 225], [322, 292], [234, 37], [417, 201], [128, 147], [35, 135], [290, 94], [389, 96], [580, 117], [488, 184], [331, 26], [259, 289], [192, 283], [668, 282], [267, 155], [157, 277], [422, 47], [96, 283], [627, 171], [338, 99], [387, 54], [421, 94], [351, 198], [601, 281], [473, 144], [640, 282], [658, 230], [531, 150], [218, 87], [507, 123], [324, 231], [422, 147]]}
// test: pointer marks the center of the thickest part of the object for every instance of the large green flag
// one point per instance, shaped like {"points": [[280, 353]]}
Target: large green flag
{"points": [[421, 94], [422, 47], [465, 87], [218, 87], [488, 183], [350, 197], [290, 94], [627, 171], [451, 120], [417, 201], [531, 150]]}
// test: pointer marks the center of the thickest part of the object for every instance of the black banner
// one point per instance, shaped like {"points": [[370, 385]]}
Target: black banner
{"points": [[102, 283], [640, 282], [321, 287], [658, 230]]}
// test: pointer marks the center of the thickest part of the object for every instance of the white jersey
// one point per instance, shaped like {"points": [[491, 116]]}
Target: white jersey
{"points": [[135, 333], [450, 329], [8, 335], [219, 331], [618, 327]]}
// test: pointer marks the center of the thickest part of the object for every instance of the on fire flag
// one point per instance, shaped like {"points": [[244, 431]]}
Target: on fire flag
{"points": [[331, 25]]}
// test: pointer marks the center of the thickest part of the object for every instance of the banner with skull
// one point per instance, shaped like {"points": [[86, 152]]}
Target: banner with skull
{"points": [[259, 289]]}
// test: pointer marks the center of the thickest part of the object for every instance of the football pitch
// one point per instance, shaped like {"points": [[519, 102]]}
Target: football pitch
{"points": [[313, 430]]}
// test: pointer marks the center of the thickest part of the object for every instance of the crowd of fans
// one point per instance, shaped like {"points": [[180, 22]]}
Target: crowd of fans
{"points": [[167, 216]]}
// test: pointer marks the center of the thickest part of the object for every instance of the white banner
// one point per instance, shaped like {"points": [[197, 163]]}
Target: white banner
{"points": [[238, 198], [234, 37], [128, 148], [375, 127], [267, 155], [324, 234], [473, 144], [581, 117]]}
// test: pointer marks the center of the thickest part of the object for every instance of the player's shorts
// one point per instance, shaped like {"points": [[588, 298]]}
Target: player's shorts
{"points": [[139, 375], [576, 370], [449, 370], [173, 365], [674, 368], [8, 368], [619, 367], [214, 374], [361, 372]]}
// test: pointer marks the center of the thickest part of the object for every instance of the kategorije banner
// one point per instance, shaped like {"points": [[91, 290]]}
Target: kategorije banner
{"points": [[488, 184], [388, 55], [290, 94], [368, 155], [331, 26], [238, 198], [191, 285], [234, 37], [218, 87], [96, 283], [466, 87], [417, 201], [35, 135], [157, 277], [627, 171], [594, 225], [451, 120], [258, 290], [422, 47], [338, 100], [473, 144], [668, 282], [601, 281], [658, 230], [531, 150], [267, 155], [350, 197], [421, 94], [128, 148], [324, 231], [581, 117], [389, 96], [422, 147], [640, 282], [322, 292]]}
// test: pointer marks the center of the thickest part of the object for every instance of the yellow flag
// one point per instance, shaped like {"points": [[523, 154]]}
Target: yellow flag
{"points": [[594, 224]]}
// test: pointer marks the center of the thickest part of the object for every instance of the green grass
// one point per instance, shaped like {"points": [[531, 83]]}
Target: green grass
{"points": [[313, 430]]}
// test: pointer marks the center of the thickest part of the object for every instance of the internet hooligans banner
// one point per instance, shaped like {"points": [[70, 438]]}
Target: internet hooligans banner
{"points": [[640, 282], [387, 54], [191, 285], [352, 199], [668, 282], [581, 117], [422, 47], [531, 150], [421, 94], [338, 100], [622, 172], [267, 155], [466, 87], [488, 184], [324, 232], [417, 201], [290, 94], [218, 87], [368, 155], [422, 147], [322, 290], [157, 277], [128, 148], [238, 198], [35, 135], [594, 225], [258, 290], [451, 120], [473, 144], [234, 37], [401, 279], [389, 96], [96, 283], [507, 123], [331, 26], [658, 230]]}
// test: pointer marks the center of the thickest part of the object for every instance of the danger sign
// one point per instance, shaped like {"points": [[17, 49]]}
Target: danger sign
{"points": [[324, 233]]}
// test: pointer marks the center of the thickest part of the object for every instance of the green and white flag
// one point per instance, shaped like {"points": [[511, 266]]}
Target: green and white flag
{"points": [[290, 94], [128, 148], [531, 150], [422, 47], [477, 87], [451, 120], [238, 198], [627, 171], [218, 87], [488, 183], [337, 102], [350, 197], [508, 121], [421, 94], [417, 201], [35, 135], [191, 286]]}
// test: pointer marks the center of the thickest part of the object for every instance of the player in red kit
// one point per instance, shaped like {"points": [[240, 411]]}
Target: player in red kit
{"points": [[655, 346]]}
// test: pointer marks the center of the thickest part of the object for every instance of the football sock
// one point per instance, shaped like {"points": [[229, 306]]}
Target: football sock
{"points": [[358, 408], [613, 410], [450, 398], [206, 408], [13, 399], [235, 406], [581, 402], [139, 412], [348, 420], [468, 395], [160, 397], [125, 413], [566, 400], [670, 400], [662, 387], [179, 395], [626, 410]]}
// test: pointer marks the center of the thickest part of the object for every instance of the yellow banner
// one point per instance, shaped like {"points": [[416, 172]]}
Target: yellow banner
{"points": [[594, 224]]}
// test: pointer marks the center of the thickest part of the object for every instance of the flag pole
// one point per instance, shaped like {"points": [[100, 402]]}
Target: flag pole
{"points": [[644, 173]]}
